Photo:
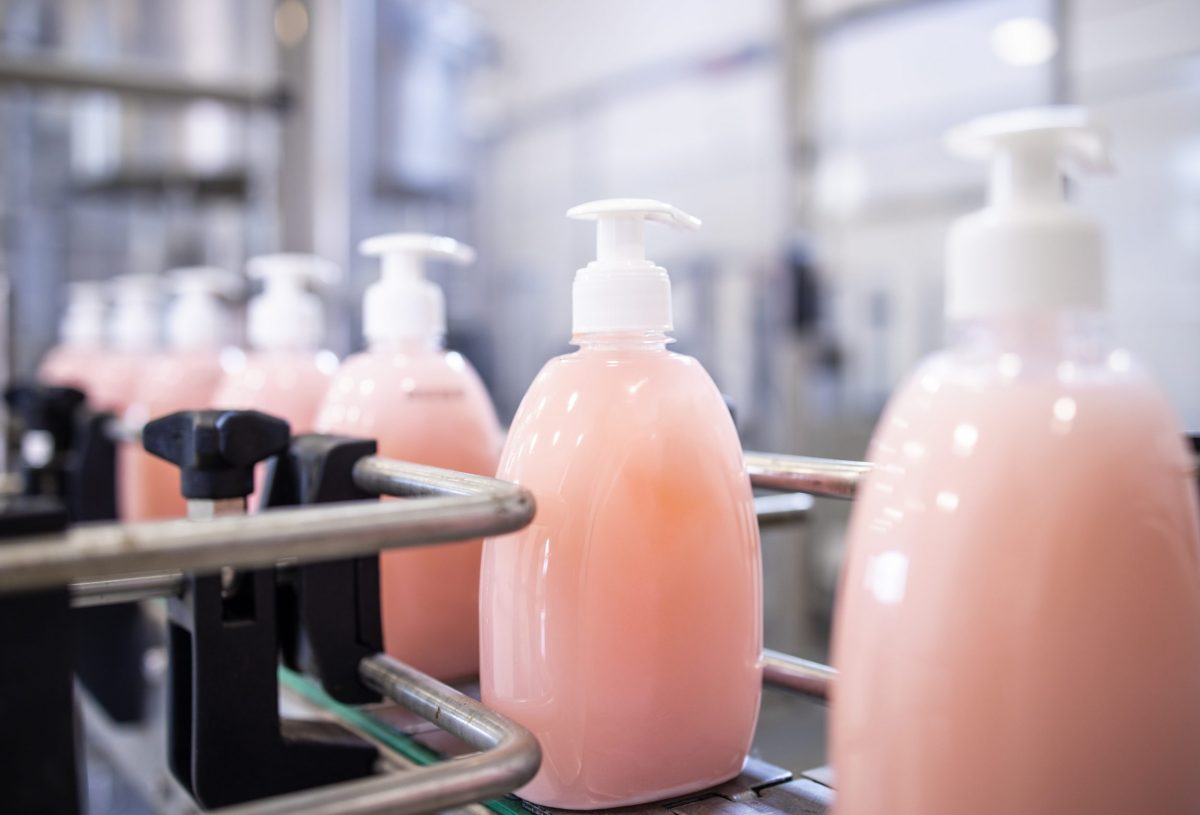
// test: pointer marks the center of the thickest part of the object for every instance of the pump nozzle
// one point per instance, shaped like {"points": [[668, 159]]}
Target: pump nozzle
{"points": [[1028, 250], [1030, 149], [196, 319], [82, 323], [621, 290], [620, 225], [133, 322], [287, 315], [404, 304]]}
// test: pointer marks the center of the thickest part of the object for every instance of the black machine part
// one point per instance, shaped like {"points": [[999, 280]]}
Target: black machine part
{"points": [[216, 450], [68, 454], [225, 738], [39, 774], [329, 612], [45, 419]]}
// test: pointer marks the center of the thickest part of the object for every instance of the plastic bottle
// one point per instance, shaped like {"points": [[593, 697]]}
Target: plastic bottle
{"points": [[624, 626], [75, 361], [426, 405], [1019, 622], [133, 340], [285, 372], [184, 377]]}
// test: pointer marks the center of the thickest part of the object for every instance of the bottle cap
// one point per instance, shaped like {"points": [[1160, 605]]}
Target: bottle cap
{"points": [[1028, 250], [133, 320], [403, 303], [197, 319], [288, 315], [82, 323], [621, 290]]}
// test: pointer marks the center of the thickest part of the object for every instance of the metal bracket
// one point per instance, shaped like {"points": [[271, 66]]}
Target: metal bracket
{"points": [[37, 738], [329, 612]]}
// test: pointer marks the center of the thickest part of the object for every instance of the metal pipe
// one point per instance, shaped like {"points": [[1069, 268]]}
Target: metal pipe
{"points": [[831, 478], [796, 674], [52, 72], [785, 508], [448, 506], [131, 588], [509, 756]]}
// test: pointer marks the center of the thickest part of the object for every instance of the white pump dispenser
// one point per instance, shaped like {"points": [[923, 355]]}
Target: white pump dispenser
{"points": [[82, 323], [621, 290], [287, 315], [196, 318], [133, 321], [1028, 250], [404, 304]]}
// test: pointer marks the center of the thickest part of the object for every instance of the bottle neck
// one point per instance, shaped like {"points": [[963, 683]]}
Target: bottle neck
{"points": [[408, 345], [1076, 335], [622, 340]]}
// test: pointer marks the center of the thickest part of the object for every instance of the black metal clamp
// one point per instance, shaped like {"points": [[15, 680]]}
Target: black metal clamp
{"points": [[225, 739], [329, 612], [39, 773], [67, 453]]}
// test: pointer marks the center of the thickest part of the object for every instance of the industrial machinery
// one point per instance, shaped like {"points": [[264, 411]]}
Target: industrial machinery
{"points": [[274, 696]]}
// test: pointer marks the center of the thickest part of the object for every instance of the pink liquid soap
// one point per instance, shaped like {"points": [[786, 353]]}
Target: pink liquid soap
{"points": [[1018, 628], [182, 378], [623, 627], [424, 405], [1020, 624]]}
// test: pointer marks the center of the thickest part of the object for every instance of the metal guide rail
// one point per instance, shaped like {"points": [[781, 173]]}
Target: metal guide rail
{"points": [[446, 506], [799, 478], [508, 756]]}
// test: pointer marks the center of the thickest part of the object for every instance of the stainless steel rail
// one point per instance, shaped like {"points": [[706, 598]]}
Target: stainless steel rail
{"points": [[103, 591], [40, 71], [446, 506], [772, 510], [831, 478], [796, 674], [509, 756]]}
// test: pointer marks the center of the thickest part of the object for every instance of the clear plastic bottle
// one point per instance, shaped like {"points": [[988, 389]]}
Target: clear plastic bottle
{"points": [[1018, 628], [75, 361], [184, 377], [427, 405], [623, 627]]}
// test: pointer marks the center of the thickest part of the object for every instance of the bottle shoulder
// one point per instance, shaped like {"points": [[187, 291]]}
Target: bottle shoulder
{"points": [[957, 404], [409, 395], [601, 408]]}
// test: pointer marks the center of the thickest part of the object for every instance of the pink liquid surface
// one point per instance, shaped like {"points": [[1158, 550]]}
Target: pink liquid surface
{"points": [[149, 487], [624, 626], [287, 384], [426, 406], [1019, 622], [116, 379]]}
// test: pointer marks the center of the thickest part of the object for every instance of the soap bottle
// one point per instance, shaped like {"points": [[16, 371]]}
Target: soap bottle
{"points": [[426, 405], [623, 627], [75, 360], [1018, 628], [184, 377], [286, 373], [133, 336]]}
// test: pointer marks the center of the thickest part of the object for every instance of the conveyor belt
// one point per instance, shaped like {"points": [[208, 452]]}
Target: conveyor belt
{"points": [[761, 789]]}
